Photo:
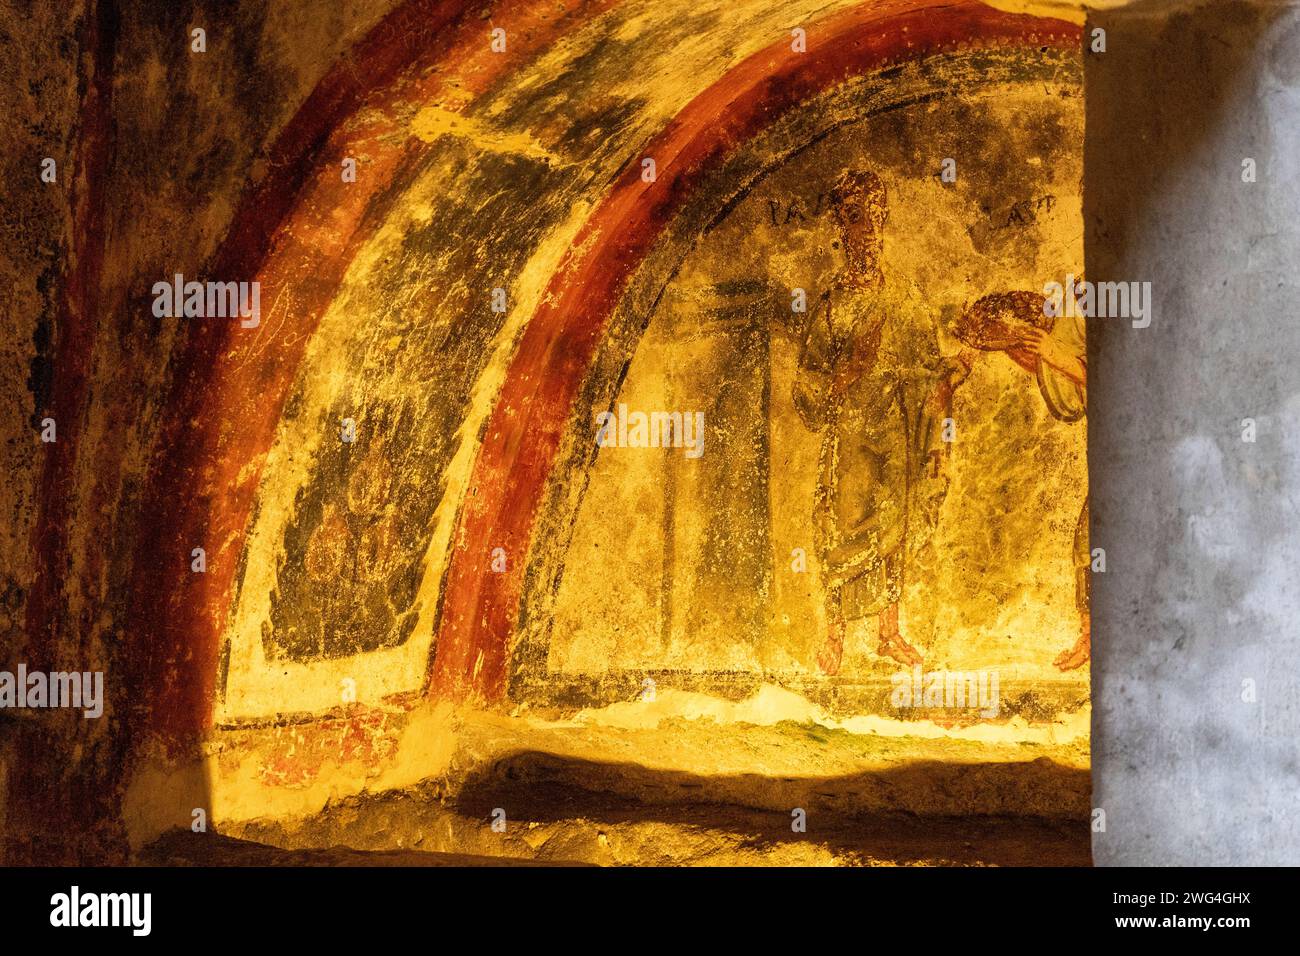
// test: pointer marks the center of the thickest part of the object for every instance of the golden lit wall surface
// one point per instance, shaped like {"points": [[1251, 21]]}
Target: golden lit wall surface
{"points": [[650, 404], [715, 563]]}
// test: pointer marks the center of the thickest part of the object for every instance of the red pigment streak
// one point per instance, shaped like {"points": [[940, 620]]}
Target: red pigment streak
{"points": [[74, 339]]}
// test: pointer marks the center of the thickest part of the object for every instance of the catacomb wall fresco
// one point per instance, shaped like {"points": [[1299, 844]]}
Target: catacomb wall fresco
{"points": [[863, 487], [781, 550]]}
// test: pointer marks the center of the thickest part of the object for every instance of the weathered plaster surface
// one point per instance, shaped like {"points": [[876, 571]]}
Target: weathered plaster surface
{"points": [[1200, 527]]}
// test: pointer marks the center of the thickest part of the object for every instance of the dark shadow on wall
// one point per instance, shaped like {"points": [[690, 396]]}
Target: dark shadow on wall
{"points": [[186, 848], [561, 807]]}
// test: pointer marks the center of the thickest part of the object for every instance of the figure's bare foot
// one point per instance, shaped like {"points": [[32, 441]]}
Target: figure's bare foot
{"points": [[892, 644], [897, 649], [1078, 655], [832, 652]]}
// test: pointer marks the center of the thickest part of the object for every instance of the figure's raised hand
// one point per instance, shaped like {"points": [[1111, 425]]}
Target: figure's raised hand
{"points": [[1034, 340]]}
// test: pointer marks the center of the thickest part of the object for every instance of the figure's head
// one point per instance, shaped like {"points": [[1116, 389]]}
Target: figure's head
{"points": [[861, 209]]}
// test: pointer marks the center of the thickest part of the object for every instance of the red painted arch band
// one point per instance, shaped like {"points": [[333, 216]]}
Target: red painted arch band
{"points": [[296, 232]]}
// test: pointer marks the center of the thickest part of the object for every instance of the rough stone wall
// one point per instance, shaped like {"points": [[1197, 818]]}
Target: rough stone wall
{"points": [[154, 144], [40, 97]]}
